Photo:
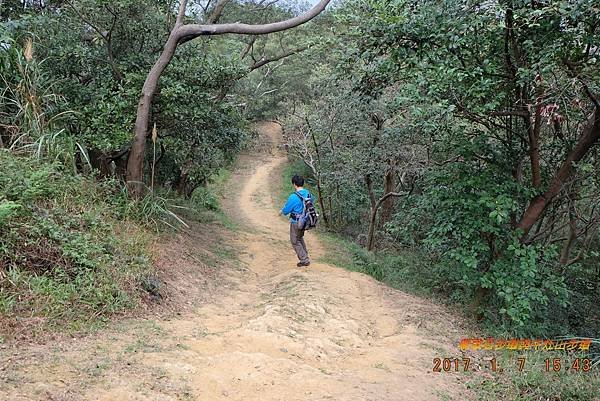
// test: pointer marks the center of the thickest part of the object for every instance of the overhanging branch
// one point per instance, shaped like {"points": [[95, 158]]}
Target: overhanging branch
{"points": [[192, 31]]}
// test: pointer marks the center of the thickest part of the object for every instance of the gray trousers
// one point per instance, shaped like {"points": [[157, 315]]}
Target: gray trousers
{"points": [[297, 240]]}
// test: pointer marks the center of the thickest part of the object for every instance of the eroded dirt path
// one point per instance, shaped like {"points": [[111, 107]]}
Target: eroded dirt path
{"points": [[276, 332]]}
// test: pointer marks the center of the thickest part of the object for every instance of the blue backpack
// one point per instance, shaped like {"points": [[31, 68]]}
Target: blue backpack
{"points": [[309, 216]]}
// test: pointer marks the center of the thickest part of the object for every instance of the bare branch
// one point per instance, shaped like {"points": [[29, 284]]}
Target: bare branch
{"points": [[586, 88], [182, 33], [261, 7], [248, 48], [217, 12], [263, 61], [181, 13], [589, 137], [509, 113]]}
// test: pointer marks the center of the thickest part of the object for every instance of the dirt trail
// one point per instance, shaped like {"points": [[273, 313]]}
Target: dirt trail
{"points": [[275, 332]]}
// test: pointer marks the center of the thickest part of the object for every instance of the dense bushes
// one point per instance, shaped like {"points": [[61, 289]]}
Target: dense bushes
{"points": [[65, 253]]}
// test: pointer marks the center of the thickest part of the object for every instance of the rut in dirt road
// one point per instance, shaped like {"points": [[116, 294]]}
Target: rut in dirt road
{"points": [[277, 332]]}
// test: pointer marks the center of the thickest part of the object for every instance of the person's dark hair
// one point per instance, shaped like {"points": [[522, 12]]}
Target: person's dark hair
{"points": [[298, 180]]}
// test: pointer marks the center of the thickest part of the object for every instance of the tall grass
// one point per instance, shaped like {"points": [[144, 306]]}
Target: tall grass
{"points": [[152, 210], [33, 115]]}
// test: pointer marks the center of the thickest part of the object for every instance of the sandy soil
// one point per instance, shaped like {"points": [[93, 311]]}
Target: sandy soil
{"points": [[273, 331]]}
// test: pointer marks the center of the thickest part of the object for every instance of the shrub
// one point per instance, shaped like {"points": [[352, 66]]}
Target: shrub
{"points": [[64, 252]]}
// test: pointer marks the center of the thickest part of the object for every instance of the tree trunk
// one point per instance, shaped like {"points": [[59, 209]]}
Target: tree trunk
{"points": [[375, 204], [572, 236], [217, 11], [100, 161], [135, 163], [387, 208], [568, 244], [331, 216], [182, 183], [321, 202], [371, 232], [590, 136], [222, 94], [534, 145]]}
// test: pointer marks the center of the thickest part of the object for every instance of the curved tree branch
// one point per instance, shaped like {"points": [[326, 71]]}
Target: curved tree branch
{"points": [[375, 205], [589, 137], [192, 31]]}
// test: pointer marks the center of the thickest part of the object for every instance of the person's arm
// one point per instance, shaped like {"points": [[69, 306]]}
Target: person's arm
{"points": [[289, 206]]}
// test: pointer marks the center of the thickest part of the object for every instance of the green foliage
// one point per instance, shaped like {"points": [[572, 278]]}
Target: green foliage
{"points": [[408, 270], [471, 232], [153, 210], [78, 90], [8, 209], [469, 208], [72, 75], [72, 242], [534, 382], [31, 110], [524, 279], [206, 199], [453, 99], [63, 253]]}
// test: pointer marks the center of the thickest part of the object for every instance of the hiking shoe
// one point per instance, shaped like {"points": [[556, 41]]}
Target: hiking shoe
{"points": [[301, 264]]}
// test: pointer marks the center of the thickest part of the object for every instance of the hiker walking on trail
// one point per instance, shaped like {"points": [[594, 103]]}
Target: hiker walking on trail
{"points": [[303, 216]]}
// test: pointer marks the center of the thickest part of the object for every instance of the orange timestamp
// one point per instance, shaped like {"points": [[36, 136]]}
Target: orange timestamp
{"points": [[514, 344], [550, 365]]}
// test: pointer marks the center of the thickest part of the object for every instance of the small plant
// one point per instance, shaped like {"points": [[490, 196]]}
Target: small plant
{"points": [[8, 209], [151, 210], [204, 198]]}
